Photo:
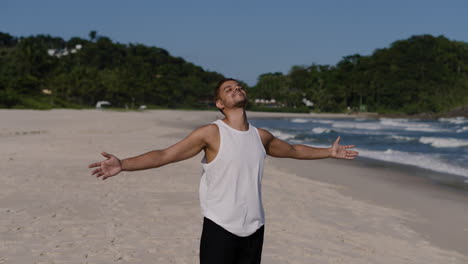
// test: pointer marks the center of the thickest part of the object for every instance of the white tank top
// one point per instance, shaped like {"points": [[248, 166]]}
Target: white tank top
{"points": [[230, 186]]}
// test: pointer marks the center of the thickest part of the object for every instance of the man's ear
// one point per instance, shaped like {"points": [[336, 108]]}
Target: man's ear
{"points": [[219, 104]]}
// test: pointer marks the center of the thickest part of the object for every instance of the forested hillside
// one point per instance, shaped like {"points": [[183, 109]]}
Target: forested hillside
{"points": [[43, 72], [420, 74]]}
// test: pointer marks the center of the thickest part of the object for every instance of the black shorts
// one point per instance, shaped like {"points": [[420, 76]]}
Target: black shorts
{"points": [[218, 246]]}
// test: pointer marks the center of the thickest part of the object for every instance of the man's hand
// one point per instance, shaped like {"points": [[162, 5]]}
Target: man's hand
{"points": [[107, 168], [342, 152]]}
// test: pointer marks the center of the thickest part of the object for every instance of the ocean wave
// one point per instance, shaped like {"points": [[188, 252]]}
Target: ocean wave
{"points": [[282, 135], [444, 142], [426, 161], [427, 129], [411, 126], [454, 120], [394, 121], [357, 125], [463, 129], [322, 121], [401, 138], [300, 120], [321, 130], [361, 119], [361, 132], [295, 141], [310, 120], [386, 124]]}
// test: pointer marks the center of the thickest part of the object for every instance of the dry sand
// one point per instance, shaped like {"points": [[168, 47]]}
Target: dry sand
{"points": [[53, 211]]}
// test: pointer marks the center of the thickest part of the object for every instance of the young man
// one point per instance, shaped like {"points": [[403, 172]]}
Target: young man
{"points": [[230, 187]]}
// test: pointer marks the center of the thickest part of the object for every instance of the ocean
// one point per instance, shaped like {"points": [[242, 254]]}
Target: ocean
{"points": [[439, 145]]}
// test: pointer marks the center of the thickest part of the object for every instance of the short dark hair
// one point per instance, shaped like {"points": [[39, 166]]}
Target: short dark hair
{"points": [[216, 91]]}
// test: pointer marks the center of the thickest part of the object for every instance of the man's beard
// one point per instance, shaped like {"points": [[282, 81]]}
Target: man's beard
{"points": [[242, 103]]}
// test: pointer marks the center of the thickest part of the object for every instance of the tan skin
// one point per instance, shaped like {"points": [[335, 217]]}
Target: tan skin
{"points": [[232, 101]]}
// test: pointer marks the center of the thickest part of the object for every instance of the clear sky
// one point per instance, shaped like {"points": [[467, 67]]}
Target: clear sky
{"points": [[243, 39]]}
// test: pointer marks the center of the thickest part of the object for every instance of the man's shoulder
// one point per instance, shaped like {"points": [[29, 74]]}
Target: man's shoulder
{"points": [[207, 130], [264, 133], [210, 127]]}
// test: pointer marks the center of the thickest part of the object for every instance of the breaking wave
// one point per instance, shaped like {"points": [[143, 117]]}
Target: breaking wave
{"points": [[444, 142], [426, 161]]}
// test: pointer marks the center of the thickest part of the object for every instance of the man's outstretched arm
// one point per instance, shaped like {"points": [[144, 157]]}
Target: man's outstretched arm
{"points": [[184, 149], [277, 148]]}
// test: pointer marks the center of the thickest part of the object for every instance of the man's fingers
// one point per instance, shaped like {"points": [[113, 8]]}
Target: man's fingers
{"points": [[350, 146], [96, 164], [337, 141], [107, 155], [352, 154], [98, 171]]}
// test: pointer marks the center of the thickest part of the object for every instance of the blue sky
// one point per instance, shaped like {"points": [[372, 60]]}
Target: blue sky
{"points": [[243, 39]]}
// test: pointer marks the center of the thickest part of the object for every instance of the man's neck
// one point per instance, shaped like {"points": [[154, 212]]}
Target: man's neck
{"points": [[237, 119]]}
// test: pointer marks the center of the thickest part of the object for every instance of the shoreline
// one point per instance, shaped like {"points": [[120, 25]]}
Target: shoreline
{"points": [[440, 211], [445, 180], [458, 112]]}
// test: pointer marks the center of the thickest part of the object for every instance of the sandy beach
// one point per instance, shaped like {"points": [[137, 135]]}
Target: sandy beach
{"points": [[325, 211]]}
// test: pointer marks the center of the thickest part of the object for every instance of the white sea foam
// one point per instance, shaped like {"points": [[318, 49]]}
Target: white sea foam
{"points": [[322, 121], [295, 141], [304, 120], [300, 120], [410, 126], [463, 129], [454, 120], [361, 132], [320, 130], [426, 161], [401, 138], [427, 129], [357, 125], [444, 142], [394, 121], [282, 135], [393, 124]]}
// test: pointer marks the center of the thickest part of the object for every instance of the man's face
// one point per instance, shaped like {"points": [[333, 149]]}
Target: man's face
{"points": [[232, 94]]}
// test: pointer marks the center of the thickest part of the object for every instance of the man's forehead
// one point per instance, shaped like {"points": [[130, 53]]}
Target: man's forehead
{"points": [[227, 83]]}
